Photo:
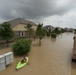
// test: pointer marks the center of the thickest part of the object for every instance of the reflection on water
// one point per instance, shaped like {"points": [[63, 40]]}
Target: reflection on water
{"points": [[53, 57], [53, 39]]}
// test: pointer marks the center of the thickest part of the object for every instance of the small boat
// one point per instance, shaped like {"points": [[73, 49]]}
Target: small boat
{"points": [[20, 65]]}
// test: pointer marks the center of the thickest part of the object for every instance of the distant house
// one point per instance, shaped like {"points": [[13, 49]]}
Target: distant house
{"points": [[19, 26], [69, 29], [49, 27], [66, 29]]}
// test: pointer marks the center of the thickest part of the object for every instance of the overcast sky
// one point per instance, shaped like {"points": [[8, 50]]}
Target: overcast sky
{"points": [[49, 12]]}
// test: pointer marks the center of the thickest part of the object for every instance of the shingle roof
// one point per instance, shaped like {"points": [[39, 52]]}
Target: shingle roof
{"points": [[48, 26], [20, 20]]}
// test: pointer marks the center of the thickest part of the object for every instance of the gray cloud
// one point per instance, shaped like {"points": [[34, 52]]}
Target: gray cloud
{"points": [[34, 9]]}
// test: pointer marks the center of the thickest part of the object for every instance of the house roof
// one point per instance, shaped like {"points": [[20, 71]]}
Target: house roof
{"points": [[48, 26], [20, 21]]}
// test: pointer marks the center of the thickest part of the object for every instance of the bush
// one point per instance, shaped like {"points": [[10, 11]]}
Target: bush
{"points": [[53, 31], [48, 34], [22, 47], [57, 31], [62, 30], [53, 35]]}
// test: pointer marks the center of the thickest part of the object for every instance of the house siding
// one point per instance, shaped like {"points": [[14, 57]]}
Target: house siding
{"points": [[21, 30]]}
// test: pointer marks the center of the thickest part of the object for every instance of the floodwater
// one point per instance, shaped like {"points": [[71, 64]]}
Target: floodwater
{"points": [[53, 57]]}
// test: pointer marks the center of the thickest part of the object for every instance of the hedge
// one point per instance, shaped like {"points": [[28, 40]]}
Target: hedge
{"points": [[22, 47]]}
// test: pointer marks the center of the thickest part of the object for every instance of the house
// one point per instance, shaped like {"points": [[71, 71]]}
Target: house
{"points": [[19, 26], [49, 27], [69, 29], [66, 29]]}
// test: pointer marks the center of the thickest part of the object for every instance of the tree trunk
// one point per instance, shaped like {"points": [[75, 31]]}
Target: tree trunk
{"points": [[34, 38], [39, 41], [7, 43], [29, 35]]}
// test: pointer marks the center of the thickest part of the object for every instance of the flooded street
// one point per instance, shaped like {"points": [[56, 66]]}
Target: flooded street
{"points": [[53, 57]]}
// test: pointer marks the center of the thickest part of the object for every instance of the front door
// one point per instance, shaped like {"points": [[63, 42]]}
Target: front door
{"points": [[22, 34]]}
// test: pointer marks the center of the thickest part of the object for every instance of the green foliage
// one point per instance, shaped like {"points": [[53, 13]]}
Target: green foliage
{"points": [[62, 30], [39, 27], [22, 47], [40, 32], [74, 31], [29, 28], [53, 35], [48, 34], [57, 31], [50, 31], [30, 31], [6, 32], [53, 31], [29, 25]]}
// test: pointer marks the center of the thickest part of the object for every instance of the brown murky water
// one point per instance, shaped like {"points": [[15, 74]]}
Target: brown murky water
{"points": [[53, 57]]}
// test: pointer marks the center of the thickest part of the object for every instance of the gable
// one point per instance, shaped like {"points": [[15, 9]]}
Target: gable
{"points": [[22, 27], [19, 27]]}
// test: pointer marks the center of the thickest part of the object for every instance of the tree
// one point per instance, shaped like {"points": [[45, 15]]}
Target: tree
{"points": [[6, 32], [53, 35], [40, 32], [48, 33], [57, 31], [74, 31], [29, 28], [62, 30]]}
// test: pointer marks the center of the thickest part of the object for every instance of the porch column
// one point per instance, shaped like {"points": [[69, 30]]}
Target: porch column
{"points": [[19, 33]]}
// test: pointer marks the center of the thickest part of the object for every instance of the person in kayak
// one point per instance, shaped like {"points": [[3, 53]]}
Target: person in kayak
{"points": [[23, 60]]}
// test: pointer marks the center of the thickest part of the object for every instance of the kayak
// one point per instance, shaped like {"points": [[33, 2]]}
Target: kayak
{"points": [[20, 65]]}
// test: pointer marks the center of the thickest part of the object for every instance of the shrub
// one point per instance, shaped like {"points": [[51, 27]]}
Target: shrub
{"points": [[57, 31], [48, 34], [62, 30], [53, 31], [22, 47], [53, 35]]}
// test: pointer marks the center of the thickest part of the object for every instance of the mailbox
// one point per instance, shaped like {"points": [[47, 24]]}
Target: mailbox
{"points": [[8, 58], [2, 63]]}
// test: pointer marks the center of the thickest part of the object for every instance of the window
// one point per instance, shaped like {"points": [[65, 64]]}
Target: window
{"points": [[17, 33]]}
